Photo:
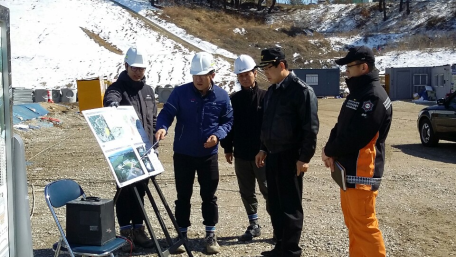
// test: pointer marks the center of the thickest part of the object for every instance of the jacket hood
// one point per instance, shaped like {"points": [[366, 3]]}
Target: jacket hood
{"points": [[136, 85], [355, 83], [254, 89]]}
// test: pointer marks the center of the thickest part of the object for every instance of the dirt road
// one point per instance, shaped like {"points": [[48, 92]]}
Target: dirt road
{"points": [[416, 205]]}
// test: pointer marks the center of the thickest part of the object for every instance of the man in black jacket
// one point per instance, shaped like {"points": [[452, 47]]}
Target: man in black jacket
{"points": [[245, 138], [357, 142], [288, 137], [131, 89]]}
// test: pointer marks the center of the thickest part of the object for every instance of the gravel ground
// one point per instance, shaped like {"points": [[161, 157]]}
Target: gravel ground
{"points": [[415, 205]]}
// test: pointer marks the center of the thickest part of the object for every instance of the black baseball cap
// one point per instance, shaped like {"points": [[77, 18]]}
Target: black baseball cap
{"points": [[359, 53], [270, 56]]}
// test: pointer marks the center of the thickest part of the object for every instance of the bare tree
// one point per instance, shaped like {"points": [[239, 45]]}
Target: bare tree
{"points": [[259, 4], [272, 6], [382, 8], [407, 3], [237, 3], [408, 6], [154, 3]]}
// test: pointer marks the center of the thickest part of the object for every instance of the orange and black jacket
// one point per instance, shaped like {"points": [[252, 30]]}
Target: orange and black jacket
{"points": [[357, 140]]}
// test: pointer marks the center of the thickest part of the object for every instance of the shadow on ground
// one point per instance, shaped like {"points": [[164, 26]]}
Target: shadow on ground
{"points": [[43, 253], [444, 152]]}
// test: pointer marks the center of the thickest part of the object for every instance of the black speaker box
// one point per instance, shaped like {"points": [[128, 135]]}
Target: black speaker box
{"points": [[90, 222]]}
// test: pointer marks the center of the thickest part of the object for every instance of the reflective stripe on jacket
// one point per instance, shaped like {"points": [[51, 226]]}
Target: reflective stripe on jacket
{"points": [[357, 140]]}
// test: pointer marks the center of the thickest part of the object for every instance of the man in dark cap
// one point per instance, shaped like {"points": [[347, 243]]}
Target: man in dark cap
{"points": [[357, 143], [288, 140]]}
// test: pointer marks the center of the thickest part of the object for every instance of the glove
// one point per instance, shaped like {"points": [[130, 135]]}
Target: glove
{"points": [[114, 104]]}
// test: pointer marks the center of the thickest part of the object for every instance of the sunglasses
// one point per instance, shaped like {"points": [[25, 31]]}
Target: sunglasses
{"points": [[356, 64], [135, 69]]}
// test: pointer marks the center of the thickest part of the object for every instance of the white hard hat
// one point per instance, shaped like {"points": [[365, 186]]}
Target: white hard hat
{"points": [[135, 57], [244, 63], [202, 64]]}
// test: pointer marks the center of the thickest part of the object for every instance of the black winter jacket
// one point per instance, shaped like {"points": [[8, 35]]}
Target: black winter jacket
{"points": [[248, 115], [138, 94], [357, 140], [290, 119]]}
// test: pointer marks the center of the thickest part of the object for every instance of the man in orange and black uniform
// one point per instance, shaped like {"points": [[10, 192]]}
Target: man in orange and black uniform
{"points": [[357, 142]]}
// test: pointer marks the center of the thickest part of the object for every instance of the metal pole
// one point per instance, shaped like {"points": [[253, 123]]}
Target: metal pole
{"points": [[22, 227]]}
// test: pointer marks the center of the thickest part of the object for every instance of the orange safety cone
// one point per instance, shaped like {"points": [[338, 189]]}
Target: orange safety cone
{"points": [[49, 95]]}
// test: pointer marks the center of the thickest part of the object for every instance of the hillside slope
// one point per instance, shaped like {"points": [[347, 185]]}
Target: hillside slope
{"points": [[313, 36]]}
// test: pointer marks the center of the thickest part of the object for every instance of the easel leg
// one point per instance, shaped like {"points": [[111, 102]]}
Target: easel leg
{"points": [[171, 215], [160, 220], [117, 195], [149, 227]]}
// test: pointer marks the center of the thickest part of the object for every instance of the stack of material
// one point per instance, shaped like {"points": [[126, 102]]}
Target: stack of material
{"points": [[163, 93], [22, 95]]}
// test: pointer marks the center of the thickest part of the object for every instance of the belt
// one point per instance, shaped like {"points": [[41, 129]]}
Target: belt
{"points": [[363, 180]]}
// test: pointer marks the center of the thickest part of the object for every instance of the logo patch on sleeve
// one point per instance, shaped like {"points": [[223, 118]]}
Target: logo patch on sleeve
{"points": [[367, 106], [352, 104]]}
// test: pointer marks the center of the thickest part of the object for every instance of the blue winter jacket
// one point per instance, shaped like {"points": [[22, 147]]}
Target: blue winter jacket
{"points": [[198, 117]]}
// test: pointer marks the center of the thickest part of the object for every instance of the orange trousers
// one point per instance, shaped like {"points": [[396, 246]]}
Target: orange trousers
{"points": [[358, 207]]}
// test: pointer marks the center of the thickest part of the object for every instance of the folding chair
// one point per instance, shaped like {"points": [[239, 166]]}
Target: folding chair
{"points": [[57, 194]]}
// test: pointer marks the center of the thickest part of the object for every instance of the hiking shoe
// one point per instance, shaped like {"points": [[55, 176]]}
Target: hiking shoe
{"points": [[251, 232], [212, 247], [274, 237], [130, 245], [181, 248], [140, 238], [272, 253]]}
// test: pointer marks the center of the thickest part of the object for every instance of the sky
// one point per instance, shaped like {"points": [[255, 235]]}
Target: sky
{"points": [[50, 50]]}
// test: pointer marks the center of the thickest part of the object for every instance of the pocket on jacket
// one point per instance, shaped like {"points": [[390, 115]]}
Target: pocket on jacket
{"points": [[212, 112]]}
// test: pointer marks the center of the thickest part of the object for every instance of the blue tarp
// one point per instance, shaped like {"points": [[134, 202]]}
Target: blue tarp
{"points": [[22, 112]]}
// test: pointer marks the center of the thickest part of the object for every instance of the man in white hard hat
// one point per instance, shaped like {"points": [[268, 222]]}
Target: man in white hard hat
{"points": [[204, 117], [244, 139], [131, 89]]}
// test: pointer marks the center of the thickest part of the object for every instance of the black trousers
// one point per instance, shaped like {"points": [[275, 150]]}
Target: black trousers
{"points": [[208, 179], [285, 200], [128, 209]]}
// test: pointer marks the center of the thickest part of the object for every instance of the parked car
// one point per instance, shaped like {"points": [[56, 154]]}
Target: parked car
{"points": [[438, 121]]}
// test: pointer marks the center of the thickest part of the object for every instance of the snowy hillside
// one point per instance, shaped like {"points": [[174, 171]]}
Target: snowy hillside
{"points": [[50, 48], [53, 44]]}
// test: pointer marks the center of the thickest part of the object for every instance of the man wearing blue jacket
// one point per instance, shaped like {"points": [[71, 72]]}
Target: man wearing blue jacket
{"points": [[204, 117]]}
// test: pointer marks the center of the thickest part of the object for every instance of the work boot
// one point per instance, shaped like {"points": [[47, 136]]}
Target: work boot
{"points": [[274, 237], [130, 245], [212, 247], [272, 253], [252, 231], [275, 252], [181, 248], [140, 238]]}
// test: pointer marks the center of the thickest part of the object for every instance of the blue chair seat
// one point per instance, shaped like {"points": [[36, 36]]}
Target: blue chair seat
{"points": [[93, 249]]}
